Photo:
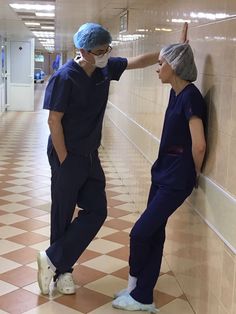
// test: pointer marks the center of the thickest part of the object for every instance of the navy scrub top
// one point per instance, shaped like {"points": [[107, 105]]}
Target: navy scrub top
{"points": [[174, 166], [83, 101]]}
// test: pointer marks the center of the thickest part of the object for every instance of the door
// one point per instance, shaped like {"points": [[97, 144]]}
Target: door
{"points": [[20, 79], [3, 85]]}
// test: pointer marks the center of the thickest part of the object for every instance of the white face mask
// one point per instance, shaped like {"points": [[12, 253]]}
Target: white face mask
{"points": [[101, 61]]}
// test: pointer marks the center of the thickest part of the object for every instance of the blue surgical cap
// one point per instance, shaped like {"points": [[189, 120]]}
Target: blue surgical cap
{"points": [[90, 36], [180, 58]]}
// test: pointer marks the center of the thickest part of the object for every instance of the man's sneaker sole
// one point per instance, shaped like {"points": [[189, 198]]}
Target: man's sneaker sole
{"points": [[44, 290]]}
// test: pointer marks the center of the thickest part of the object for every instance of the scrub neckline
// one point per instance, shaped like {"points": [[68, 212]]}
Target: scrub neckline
{"points": [[82, 70], [182, 89]]}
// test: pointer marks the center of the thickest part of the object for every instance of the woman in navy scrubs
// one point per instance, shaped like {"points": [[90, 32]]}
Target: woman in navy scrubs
{"points": [[76, 97], [174, 175]]}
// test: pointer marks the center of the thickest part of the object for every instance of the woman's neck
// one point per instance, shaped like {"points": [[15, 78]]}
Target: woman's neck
{"points": [[178, 85]]}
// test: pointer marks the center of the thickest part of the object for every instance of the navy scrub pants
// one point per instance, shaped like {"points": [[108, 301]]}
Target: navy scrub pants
{"points": [[147, 239], [78, 180]]}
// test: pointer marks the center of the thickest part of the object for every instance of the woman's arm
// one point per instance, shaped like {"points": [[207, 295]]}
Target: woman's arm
{"points": [[56, 130], [198, 142]]}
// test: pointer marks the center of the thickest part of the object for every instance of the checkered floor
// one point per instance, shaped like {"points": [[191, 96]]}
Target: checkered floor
{"points": [[24, 225]]}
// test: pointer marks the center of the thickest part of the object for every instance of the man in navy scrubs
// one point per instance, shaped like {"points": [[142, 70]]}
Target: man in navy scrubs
{"points": [[76, 97]]}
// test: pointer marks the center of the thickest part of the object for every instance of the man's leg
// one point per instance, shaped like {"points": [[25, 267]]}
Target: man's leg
{"points": [[92, 199]]}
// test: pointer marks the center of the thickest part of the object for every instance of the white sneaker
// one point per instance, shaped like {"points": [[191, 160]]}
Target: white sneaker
{"points": [[127, 303], [45, 273], [65, 284], [120, 293]]}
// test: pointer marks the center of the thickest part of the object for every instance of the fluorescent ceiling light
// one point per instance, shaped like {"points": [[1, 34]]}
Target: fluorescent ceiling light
{"points": [[180, 21], [32, 23], [47, 27], [163, 29], [130, 37], [142, 30], [44, 14], [209, 16], [48, 40], [44, 34], [34, 7]]}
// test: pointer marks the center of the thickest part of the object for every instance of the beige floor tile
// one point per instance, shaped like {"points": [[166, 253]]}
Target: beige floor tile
{"points": [[8, 231], [34, 288], [15, 198], [10, 219], [177, 306], [112, 175], [7, 265], [105, 231], [107, 264], [115, 182], [164, 266], [52, 308], [19, 181], [6, 287], [123, 198], [13, 207], [127, 206], [8, 246], [45, 218], [44, 231], [131, 217], [107, 285], [168, 284], [18, 189], [41, 246], [103, 246], [119, 189], [108, 309]]}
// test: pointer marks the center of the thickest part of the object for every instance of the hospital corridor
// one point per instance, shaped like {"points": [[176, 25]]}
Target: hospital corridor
{"points": [[198, 269]]}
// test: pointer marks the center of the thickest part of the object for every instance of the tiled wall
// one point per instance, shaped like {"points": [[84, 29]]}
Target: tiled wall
{"points": [[138, 102]]}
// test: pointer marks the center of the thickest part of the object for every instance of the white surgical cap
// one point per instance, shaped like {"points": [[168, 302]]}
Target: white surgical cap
{"points": [[180, 58]]}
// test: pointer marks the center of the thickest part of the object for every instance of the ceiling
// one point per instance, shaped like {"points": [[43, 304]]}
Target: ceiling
{"points": [[69, 15]]}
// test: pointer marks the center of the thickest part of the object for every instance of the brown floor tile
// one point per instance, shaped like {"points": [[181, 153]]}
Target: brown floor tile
{"points": [[31, 212], [30, 224], [122, 253], [84, 300], [116, 213], [20, 301], [87, 255], [4, 185], [3, 202], [28, 238], [118, 224], [2, 212], [20, 277], [33, 202], [23, 256], [111, 193], [84, 275], [122, 273], [119, 237], [161, 298], [111, 202]]}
